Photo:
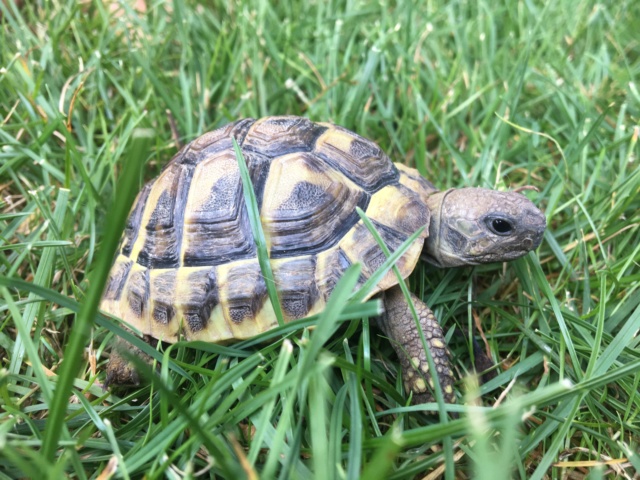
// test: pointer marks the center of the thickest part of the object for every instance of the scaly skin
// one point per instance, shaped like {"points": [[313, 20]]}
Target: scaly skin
{"points": [[398, 324], [120, 371]]}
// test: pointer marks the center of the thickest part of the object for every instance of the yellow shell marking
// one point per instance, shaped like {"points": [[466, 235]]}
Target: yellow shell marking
{"points": [[207, 173]]}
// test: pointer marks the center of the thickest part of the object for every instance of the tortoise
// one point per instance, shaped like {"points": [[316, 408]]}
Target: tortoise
{"points": [[187, 265]]}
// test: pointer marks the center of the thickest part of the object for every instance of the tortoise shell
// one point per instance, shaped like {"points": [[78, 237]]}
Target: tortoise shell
{"points": [[187, 264]]}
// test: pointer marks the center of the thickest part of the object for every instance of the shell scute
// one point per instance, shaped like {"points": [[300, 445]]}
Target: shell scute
{"points": [[164, 220], [200, 299], [117, 278], [307, 207], [399, 208], [412, 180], [359, 159], [135, 218], [137, 297], [216, 225], [366, 248], [296, 282], [277, 136], [245, 291], [162, 292], [331, 265], [221, 138]]}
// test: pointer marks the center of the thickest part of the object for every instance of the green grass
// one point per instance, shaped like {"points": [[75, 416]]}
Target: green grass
{"points": [[497, 94]]}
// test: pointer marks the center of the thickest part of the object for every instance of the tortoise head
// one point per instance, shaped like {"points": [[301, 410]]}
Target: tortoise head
{"points": [[470, 226]]}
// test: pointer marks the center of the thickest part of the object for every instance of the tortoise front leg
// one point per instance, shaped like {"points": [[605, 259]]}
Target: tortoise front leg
{"points": [[398, 324]]}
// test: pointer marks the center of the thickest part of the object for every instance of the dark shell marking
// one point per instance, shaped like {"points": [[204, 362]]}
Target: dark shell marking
{"points": [[138, 292], [202, 299], [162, 287], [245, 291], [188, 264], [297, 286]]}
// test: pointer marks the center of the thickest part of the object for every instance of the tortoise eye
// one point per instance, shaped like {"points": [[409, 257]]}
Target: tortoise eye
{"points": [[500, 226]]}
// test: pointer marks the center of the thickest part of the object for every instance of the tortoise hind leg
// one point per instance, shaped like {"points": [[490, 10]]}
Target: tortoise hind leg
{"points": [[120, 371], [398, 324]]}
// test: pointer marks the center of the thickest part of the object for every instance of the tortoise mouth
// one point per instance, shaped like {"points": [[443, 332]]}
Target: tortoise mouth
{"points": [[495, 258], [470, 260]]}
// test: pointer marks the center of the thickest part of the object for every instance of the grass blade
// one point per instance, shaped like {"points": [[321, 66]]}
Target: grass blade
{"points": [[80, 334], [258, 234]]}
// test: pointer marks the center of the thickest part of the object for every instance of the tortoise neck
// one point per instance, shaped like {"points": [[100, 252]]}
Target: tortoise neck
{"points": [[435, 248]]}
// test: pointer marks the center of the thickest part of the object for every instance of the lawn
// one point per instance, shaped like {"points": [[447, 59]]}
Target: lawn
{"points": [[501, 94]]}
